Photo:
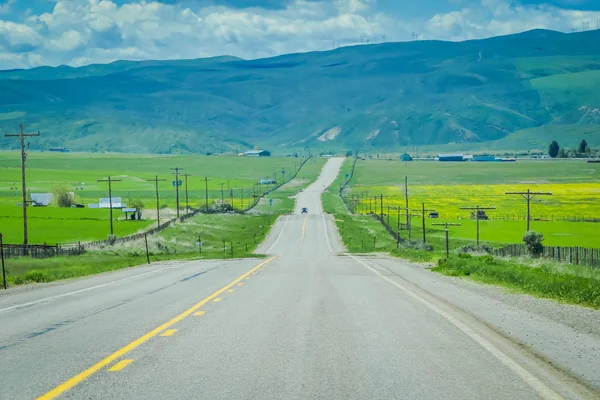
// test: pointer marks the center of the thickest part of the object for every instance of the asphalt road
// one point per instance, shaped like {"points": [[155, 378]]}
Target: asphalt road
{"points": [[309, 322]]}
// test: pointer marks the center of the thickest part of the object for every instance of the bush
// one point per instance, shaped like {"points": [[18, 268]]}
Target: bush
{"points": [[483, 248], [137, 204], [533, 242], [62, 196]]}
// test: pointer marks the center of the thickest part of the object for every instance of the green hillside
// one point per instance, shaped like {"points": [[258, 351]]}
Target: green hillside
{"points": [[509, 90]]}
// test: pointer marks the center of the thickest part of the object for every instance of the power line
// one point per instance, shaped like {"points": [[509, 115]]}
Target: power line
{"points": [[528, 195], [156, 180], [478, 208], [22, 135], [110, 181]]}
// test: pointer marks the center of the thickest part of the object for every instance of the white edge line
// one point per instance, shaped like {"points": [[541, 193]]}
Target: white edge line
{"points": [[327, 233], [279, 234], [525, 375], [86, 289]]}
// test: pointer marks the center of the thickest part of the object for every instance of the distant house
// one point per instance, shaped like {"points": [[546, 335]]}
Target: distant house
{"points": [[451, 157], [406, 157], [42, 199], [257, 153]]}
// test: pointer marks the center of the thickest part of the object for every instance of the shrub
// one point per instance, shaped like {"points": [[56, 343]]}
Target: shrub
{"points": [[62, 196], [533, 242], [483, 248]]}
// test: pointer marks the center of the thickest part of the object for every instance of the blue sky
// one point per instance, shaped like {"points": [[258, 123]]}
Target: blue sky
{"points": [[78, 32]]}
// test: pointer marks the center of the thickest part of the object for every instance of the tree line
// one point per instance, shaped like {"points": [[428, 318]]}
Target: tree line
{"points": [[582, 151]]}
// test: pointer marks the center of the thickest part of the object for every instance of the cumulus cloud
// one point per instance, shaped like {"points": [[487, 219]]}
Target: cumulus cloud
{"points": [[78, 32]]}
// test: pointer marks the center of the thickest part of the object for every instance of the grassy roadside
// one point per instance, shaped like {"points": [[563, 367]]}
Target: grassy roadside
{"points": [[571, 284], [222, 235]]}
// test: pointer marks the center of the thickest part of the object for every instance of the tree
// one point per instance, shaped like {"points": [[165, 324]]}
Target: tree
{"points": [[553, 149], [137, 204], [533, 242], [62, 196], [562, 153], [583, 147]]}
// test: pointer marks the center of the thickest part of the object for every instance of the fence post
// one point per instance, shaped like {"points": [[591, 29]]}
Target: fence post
{"points": [[576, 255], [224, 247], [2, 257], [147, 254], [231, 244]]}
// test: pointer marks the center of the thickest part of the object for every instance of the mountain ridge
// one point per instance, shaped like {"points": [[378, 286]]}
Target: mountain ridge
{"points": [[388, 95]]}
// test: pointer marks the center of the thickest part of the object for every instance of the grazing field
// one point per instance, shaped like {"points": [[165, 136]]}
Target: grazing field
{"points": [[446, 187], [235, 179]]}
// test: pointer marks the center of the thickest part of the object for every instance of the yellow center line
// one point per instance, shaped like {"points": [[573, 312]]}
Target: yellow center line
{"points": [[303, 229], [120, 365], [169, 332], [218, 299], [241, 284], [199, 313], [230, 291], [74, 381]]}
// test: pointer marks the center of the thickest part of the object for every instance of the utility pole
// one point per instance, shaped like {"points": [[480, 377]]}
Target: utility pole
{"points": [[528, 195], [176, 169], [447, 224], [222, 197], [187, 203], [242, 198], [406, 201], [156, 180], [110, 181], [22, 135], [381, 205], [206, 192], [477, 208], [423, 211]]}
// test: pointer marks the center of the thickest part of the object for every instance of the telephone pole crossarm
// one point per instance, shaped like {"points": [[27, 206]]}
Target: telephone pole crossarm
{"points": [[528, 195]]}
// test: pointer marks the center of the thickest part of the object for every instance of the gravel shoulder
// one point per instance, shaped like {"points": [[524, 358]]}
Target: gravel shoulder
{"points": [[566, 336]]}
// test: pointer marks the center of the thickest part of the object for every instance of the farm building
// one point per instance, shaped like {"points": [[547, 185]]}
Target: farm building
{"points": [[257, 153], [451, 157], [405, 157], [484, 158]]}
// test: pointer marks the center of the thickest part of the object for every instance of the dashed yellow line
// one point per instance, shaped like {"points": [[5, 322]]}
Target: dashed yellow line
{"points": [[218, 299], [199, 313], [241, 284], [230, 291], [169, 332], [303, 229], [120, 365], [74, 381]]}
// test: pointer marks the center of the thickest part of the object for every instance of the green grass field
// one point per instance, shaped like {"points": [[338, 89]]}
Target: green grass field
{"points": [[80, 171], [446, 187]]}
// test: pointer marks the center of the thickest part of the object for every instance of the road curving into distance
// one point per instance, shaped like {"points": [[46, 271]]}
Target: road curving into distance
{"points": [[307, 322]]}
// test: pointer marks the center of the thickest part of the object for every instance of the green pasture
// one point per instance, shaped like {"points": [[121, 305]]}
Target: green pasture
{"points": [[234, 179]]}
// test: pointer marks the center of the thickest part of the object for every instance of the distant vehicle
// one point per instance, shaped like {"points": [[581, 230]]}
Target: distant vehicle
{"points": [[304, 210], [434, 214], [78, 206]]}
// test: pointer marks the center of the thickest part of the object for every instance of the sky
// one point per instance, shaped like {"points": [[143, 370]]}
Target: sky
{"points": [[80, 32]]}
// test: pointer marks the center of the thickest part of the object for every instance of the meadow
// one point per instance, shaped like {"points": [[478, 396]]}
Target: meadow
{"points": [[234, 178], [446, 187]]}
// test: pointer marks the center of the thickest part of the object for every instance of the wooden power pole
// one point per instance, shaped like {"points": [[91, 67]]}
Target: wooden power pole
{"points": [[206, 193], [423, 211], [176, 169], [477, 208], [110, 205], [22, 135], [447, 224], [528, 195], [156, 180], [187, 202]]}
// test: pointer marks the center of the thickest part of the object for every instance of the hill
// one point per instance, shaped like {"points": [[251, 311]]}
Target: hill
{"points": [[387, 95]]}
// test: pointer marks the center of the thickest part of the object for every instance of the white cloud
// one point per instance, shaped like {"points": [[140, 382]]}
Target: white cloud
{"points": [[84, 31]]}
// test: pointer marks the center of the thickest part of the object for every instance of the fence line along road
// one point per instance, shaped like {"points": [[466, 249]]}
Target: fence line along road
{"points": [[45, 251]]}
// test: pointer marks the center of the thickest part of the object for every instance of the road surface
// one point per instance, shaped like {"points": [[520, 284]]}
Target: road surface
{"points": [[308, 322]]}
